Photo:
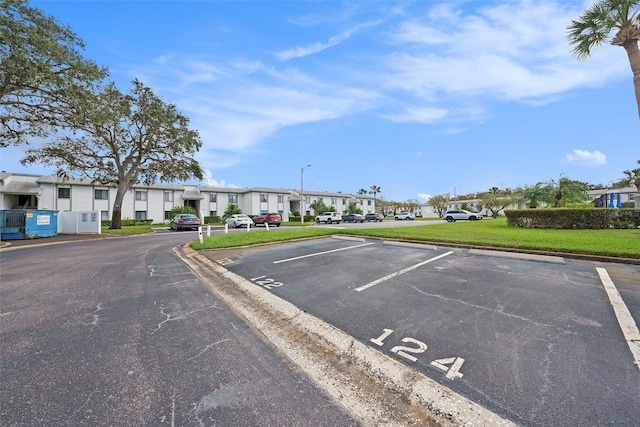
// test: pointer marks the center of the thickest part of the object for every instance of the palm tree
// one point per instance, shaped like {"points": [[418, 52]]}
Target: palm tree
{"points": [[532, 196], [362, 192], [596, 25], [565, 191], [375, 190], [633, 177]]}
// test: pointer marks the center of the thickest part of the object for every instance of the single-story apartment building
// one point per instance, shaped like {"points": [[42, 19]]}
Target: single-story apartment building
{"points": [[155, 201]]}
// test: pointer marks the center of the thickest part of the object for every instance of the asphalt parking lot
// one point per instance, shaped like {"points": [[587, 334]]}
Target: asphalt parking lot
{"points": [[539, 341]]}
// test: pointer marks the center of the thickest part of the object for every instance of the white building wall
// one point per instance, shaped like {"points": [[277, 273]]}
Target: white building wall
{"points": [[48, 199], [155, 205]]}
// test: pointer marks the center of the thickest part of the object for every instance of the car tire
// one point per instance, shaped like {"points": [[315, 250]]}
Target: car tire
{"points": [[329, 221], [449, 219]]}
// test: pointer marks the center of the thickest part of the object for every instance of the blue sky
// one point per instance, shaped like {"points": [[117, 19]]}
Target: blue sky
{"points": [[416, 97]]}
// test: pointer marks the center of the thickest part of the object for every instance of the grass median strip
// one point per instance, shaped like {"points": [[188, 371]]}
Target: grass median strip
{"points": [[492, 233]]}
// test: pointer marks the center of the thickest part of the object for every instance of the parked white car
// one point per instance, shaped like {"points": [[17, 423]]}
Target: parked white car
{"points": [[329, 217], [404, 215], [461, 214], [238, 220]]}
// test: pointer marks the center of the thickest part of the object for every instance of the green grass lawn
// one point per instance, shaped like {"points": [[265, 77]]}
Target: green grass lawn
{"points": [[493, 233], [132, 229]]}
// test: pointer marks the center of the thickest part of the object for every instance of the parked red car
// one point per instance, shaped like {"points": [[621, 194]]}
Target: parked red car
{"points": [[268, 218]]}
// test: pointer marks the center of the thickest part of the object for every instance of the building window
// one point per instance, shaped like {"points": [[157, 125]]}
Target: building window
{"points": [[104, 215], [369, 202], [307, 200], [141, 195], [141, 214], [213, 197], [64, 193], [344, 201], [333, 201], [263, 197], [280, 198], [213, 213], [167, 215], [233, 198], [168, 196], [101, 194]]}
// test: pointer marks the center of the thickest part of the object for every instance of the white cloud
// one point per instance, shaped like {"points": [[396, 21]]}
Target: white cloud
{"points": [[423, 197], [585, 158], [299, 52], [208, 178], [420, 115], [513, 51]]}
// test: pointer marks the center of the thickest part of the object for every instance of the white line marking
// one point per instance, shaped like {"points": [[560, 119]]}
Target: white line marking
{"points": [[322, 253], [627, 323], [397, 273]]}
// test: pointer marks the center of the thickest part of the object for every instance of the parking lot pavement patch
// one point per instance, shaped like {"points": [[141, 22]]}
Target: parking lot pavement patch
{"points": [[517, 255], [377, 388]]}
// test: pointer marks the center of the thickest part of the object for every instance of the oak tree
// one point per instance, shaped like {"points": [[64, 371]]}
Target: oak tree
{"points": [[41, 73], [123, 140]]}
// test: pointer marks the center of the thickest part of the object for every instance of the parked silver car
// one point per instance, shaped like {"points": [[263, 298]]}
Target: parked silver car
{"points": [[184, 222], [461, 214], [404, 215]]}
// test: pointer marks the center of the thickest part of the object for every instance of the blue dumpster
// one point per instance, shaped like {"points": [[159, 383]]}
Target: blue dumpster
{"points": [[16, 224]]}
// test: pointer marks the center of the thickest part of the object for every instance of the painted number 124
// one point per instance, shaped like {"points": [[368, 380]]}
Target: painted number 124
{"points": [[412, 347]]}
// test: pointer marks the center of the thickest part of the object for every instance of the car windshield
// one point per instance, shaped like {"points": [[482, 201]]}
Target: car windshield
{"points": [[187, 216]]}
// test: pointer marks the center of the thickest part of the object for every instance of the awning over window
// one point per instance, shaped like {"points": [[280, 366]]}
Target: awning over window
{"points": [[192, 195], [22, 188]]}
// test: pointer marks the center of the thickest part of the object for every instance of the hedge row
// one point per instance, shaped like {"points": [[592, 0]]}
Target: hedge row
{"points": [[574, 218], [307, 218], [128, 222]]}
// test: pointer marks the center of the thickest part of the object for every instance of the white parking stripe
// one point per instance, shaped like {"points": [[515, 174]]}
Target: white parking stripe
{"points": [[626, 321], [322, 253], [397, 273]]}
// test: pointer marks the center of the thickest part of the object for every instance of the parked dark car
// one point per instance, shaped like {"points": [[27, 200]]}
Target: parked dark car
{"points": [[374, 217], [353, 217], [268, 218], [185, 222]]}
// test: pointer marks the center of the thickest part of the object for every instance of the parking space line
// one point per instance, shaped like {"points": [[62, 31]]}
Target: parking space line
{"points": [[397, 273], [322, 253], [625, 320]]}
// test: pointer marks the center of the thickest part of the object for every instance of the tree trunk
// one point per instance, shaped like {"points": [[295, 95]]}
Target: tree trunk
{"points": [[631, 47], [116, 218]]}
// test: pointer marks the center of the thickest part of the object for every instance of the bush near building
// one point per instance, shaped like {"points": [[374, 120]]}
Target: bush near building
{"points": [[574, 218]]}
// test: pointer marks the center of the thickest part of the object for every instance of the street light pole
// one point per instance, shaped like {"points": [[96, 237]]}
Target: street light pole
{"points": [[302, 194]]}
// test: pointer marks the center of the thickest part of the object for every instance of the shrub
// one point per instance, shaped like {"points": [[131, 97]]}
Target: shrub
{"points": [[214, 219], [182, 210], [572, 218]]}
